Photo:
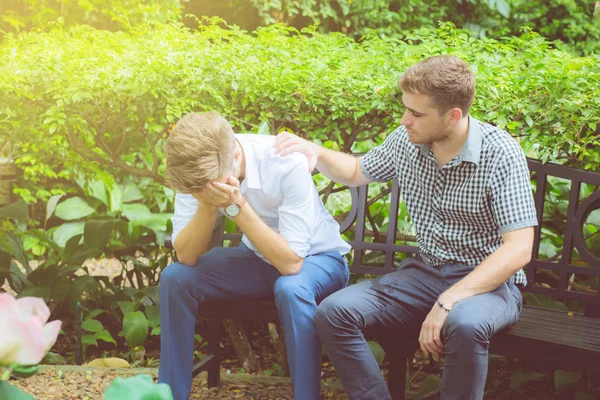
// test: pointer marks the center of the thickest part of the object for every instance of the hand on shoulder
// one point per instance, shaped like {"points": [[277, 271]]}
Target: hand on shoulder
{"points": [[287, 143]]}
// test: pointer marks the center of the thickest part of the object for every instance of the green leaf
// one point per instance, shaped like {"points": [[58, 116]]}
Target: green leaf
{"points": [[73, 208], [264, 129], [153, 315], [15, 245], [115, 197], [430, 384], [136, 211], [67, 231], [51, 205], [539, 300], [131, 193], [10, 392], [135, 328], [98, 190], [127, 307], [53, 359], [92, 325], [562, 379], [105, 336], [521, 377], [97, 233], [137, 387], [503, 8], [24, 371], [43, 292], [94, 313], [377, 351], [16, 210], [89, 339]]}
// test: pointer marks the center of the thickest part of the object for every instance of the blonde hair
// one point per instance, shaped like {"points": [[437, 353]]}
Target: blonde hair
{"points": [[446, 79], [199, 149]]}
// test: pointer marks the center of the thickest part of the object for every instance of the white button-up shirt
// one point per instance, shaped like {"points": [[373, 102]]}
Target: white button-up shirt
{"points": [[281, 191]]}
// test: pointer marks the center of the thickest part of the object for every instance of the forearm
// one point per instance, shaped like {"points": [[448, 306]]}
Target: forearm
{"points": [[271, 244], [194, 239], [339, 167], [490, 274]]}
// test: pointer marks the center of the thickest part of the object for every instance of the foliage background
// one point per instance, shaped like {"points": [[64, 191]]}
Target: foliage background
{"points": [[90, 90]]}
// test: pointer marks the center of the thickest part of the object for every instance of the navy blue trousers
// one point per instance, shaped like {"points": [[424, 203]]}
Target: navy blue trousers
{"points": [[238, 274]]}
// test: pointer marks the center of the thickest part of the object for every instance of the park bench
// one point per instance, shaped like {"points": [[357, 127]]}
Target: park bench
{"points": [[554, 338]]}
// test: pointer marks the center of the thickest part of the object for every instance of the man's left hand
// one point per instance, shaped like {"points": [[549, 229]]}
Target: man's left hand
{"points": [[431, 330], [226, 193]]}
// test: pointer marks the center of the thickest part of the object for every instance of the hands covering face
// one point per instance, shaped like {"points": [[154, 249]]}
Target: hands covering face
{"points": [[220, 194]]}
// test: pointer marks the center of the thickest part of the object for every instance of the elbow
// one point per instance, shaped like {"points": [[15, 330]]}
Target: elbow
{"points": [[187, 261], [291, 268], [526, 256], [187, 258], [523, 256]]}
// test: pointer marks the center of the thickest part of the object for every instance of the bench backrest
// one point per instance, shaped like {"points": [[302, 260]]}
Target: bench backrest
{"points": [[564, 198]]}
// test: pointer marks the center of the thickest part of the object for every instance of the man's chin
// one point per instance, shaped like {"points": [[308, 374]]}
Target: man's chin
{"points": [[414, 139]]}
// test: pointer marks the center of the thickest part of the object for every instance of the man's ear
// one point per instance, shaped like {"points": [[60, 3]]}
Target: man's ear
{"points": [[237, 152], [455, 115]]}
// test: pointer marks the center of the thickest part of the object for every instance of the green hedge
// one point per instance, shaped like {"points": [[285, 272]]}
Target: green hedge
{"points": [[92, 103], [18, 15], [570, 25]]}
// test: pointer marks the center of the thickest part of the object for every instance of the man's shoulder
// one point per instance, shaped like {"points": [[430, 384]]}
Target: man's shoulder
{"points": [[499, 141], [286, 163], [264, 154]]}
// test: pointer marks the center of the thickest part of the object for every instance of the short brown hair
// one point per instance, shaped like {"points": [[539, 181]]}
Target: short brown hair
{"points": [[199, 149], [446, 79]]}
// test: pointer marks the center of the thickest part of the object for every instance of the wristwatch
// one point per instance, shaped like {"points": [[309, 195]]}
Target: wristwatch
{"points": [[234, 209]]}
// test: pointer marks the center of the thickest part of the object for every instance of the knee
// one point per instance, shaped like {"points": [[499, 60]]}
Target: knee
{"points": [[289, 289], [174, 276], [332, 315], [465, 331]]}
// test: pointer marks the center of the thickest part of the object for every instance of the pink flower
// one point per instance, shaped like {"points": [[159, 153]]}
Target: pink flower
{"points": [[25, 337]]}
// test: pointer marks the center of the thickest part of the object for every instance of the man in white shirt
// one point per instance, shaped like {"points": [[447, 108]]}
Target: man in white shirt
{"points": [[291, 249]]}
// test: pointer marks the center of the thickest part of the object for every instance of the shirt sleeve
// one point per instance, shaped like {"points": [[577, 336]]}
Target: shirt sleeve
{"points": [[297, 209], [379, 164], [185, 208], [512, 198]]}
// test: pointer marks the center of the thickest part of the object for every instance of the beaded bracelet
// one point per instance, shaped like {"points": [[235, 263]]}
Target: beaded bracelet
{"points": [[441, 305]]}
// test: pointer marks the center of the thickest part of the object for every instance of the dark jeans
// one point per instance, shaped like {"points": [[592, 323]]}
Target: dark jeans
{"points": [[400, 301]]}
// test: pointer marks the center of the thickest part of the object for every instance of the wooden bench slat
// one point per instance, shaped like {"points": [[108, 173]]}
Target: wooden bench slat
{"points": [[557, 328]]}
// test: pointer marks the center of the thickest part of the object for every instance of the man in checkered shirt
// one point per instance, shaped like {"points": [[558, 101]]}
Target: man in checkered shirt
{"points": [[466, 186]]}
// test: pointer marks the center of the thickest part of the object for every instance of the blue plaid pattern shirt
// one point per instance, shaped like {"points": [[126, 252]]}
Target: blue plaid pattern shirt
{"points": [[460, 210]]}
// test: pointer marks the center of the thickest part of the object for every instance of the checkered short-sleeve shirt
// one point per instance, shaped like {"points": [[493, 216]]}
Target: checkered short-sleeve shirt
{"points": [[460, 210]]}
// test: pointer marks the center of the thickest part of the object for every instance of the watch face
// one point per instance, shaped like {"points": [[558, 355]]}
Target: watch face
{"points": [[232, 210]]}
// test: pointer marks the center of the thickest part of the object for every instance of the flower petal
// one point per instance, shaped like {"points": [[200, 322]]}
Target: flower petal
{"points": [[50, 333], [22, 343], [8, 307], [9, 341], [33, 306]]}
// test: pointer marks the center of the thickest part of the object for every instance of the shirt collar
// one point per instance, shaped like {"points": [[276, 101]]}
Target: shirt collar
{"points": [[471, 150], [252, 177]]}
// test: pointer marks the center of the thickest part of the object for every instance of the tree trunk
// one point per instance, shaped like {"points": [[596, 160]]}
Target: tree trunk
{"points": [[244, 352], [8, 172], [278, 340]]}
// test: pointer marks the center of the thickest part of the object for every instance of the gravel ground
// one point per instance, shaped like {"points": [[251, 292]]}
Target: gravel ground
{"points": [[80, 383]]}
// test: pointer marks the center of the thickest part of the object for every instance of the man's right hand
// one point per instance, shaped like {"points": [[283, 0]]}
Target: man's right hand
{"points": [[207, 198], [287, 143]]}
